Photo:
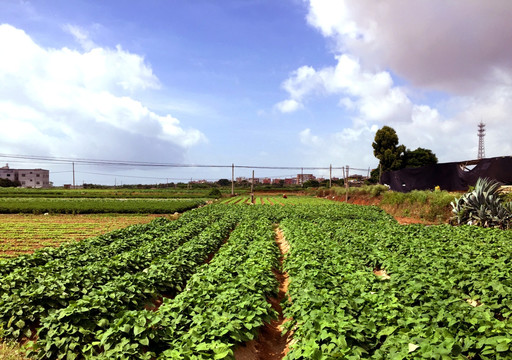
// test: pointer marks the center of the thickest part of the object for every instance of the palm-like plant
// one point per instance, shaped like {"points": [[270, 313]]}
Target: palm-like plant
{"points": [[483, 206]]}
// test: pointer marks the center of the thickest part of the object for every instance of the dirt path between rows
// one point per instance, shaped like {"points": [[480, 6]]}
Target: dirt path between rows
{"points": [[270, 344]]}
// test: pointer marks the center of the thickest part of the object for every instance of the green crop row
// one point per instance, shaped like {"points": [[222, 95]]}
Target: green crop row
{"points": [[224, 304], [83, 252], [276, 200], [53, 287], [377, 290], [95, 206], [361, 287], [84, 318], [31, 293], [167, 193]]}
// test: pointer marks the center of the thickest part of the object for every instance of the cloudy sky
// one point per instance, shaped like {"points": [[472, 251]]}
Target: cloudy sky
{"points": [[252, 82]]}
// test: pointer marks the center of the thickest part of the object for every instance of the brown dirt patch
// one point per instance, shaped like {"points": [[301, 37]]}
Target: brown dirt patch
{"points": [[382, 274], [270, 343]]}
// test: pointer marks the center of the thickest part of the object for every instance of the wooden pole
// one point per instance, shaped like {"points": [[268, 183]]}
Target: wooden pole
{"points": [[252, 188], [232, 179], [330, 175], [73, 175], [346, 185]]}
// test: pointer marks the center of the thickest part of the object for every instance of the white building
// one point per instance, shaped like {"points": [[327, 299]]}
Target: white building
{"points": [[28, 178]]}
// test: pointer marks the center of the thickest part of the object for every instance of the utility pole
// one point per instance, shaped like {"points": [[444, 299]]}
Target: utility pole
{"points": [[330, 175], [73, 174], [346, 185], [252, 188], [233, 179]]}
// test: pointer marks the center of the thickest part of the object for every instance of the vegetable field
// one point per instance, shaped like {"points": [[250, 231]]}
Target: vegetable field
{"points": [[275, 200], [361, 286], [39, 205], [24, 233]]}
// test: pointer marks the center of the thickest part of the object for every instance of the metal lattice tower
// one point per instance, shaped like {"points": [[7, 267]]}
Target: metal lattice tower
{"points": [[481, 146]]}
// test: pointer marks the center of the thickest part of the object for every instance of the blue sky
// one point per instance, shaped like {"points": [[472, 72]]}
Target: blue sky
{"points": [[268, 83]]}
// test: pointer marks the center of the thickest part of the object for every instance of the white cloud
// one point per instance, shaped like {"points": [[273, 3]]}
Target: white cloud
{"points": [[452, 46], [289, 105], [81, 35], [460, 49], [372, 94], [63, 102], [347, 147]]}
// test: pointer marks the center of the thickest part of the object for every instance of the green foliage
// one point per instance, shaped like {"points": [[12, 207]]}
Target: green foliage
{"points": [[311, 183], [215, 193], [361, 287], [11, 205], [430, 304], [9, 183], [224, 182], [386, 149], [483, 206], [395, 157], [419, 157], [428, 205]]}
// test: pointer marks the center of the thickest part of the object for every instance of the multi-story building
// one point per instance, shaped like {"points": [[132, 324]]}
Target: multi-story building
{"points": [[302, 178], [28, 178]]}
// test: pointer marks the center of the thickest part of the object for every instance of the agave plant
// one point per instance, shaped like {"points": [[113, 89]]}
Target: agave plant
{"points": [[483, 206]]}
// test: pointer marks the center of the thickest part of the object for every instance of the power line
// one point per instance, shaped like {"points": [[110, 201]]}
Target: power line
{"points": [[157, 164]]}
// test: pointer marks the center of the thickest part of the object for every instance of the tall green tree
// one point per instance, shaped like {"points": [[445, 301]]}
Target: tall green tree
{"points": [[386, 149], [419, 157]]}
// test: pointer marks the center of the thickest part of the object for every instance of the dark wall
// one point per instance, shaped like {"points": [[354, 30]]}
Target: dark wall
{"points": [[449, 176]]}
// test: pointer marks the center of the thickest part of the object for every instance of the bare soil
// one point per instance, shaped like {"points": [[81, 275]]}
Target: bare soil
{"points": [[270, 343]]}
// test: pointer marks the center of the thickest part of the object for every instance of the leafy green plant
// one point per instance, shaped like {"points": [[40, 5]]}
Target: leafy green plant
{"points": [[215, 193], [484, 206]]}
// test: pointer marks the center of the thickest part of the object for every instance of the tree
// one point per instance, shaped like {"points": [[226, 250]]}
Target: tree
{"points": [[419, 157], [386, 149], [311, 183], [9, 183], [215, 193], [224, 182]]}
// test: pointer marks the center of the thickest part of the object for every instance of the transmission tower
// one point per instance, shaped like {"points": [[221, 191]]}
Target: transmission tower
{"points": [[481, 146]]}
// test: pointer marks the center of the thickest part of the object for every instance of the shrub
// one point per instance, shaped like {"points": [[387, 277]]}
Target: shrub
{"points": [[215, 193], [484, 206]]}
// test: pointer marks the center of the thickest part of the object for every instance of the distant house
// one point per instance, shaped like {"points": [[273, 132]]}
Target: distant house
{"points": [[28, 178], [302, 178], [290, 181]]}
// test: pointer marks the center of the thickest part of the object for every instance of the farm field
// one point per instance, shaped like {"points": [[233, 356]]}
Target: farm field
{"points": [[275, 200], [39, 205], [167, 193], [360, 286], [24, 233]]}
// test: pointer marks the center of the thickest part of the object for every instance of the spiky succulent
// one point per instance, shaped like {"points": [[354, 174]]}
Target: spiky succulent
{"points": [[484, 206]]}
